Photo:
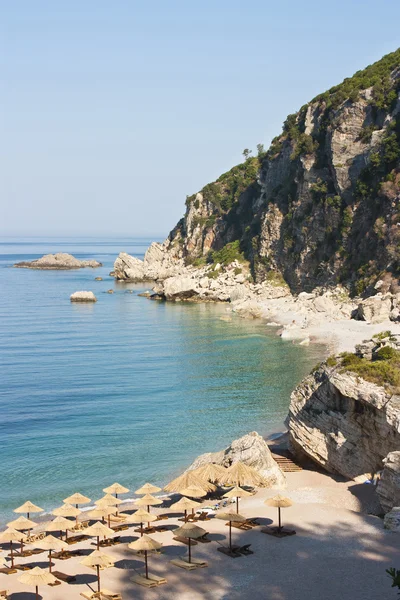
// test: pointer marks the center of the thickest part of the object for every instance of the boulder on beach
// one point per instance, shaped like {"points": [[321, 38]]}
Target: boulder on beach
{"points": [[128, 268], [252, 450], [388, 487], [59, 261], [83, 297]]}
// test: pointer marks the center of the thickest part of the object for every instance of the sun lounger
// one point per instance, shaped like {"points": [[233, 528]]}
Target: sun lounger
{"points": [[145, 530], [245, 550], [56, 582], [252, 522], [197, 562], [178, 562], [242, 526], [140, 580], [8, 571], [24, 553], [279, 533], [203, 516], [107, 595], [120, 528], [161, 529], [162, 517], [3, 594], [184, 540], [24, 567], [228, 552], [76, 539], [64, 576]]}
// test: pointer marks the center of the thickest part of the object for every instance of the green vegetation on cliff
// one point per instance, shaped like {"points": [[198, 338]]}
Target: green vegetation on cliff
{"points": [[383, 370]]}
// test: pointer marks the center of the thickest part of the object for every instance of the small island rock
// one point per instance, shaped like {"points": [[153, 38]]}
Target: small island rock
{"points": [[60, 261], [83, 297]]}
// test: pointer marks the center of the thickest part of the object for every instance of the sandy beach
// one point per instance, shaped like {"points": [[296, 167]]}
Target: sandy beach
{"points": [[339, 551]]}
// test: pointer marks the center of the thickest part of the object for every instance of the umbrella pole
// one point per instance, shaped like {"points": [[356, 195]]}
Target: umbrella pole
{"points": [[37, 593], [141, 529], [109, 518], [49, 561], [66, 534], [145, 560], [190, 555], [98, 578], [185, 515], [279, 517], [237, 505], [230, 535], [116, 495], [12, 555], [98, 543]]}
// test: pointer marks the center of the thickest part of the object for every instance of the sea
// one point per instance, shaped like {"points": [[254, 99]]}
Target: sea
{"points": [[126, 389]]}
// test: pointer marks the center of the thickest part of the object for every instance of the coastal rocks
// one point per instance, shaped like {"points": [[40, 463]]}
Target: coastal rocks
{"points": [[252, 450], [180, 287], [83, 297], [388, 487], [59, 261], [375, 309], [98, 279], [391, 520], [343, 422], [128, 268]]}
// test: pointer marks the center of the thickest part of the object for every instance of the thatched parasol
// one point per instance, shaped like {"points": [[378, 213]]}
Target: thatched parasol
{"points": [[116, 488], [145, 544], [97, 560], [108, 501], [51, 543], [22, 524], [67, 510], [28, 507], [279, 502], [36, 577], [186, 480], [77, 499], [59, 524], [185, 504], [194, 492], [148, 500], [100, 513], [191, 531], [12, 535], [237, 492], [98, 530], [231, 518], [148, 488], [141, 516], [210, 472], [239, 474]]}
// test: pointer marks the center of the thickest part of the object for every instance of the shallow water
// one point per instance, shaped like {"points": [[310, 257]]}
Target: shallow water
{"points": [[127, 389]]}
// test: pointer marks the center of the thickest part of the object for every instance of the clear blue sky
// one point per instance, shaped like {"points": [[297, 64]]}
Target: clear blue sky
{"points": [[111, 112]]}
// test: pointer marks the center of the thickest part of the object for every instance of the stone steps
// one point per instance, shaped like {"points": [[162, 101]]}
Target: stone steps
{"points": [[286, 464]]}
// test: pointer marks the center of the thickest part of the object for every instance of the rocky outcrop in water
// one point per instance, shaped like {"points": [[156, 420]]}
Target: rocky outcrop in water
{"points": [[59, 261], [252, 450], [389, 484], [342, 418], [160, 262], [83, 296]]}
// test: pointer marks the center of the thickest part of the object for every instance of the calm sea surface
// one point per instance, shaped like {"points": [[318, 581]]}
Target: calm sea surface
{"points": [[127, 389]]}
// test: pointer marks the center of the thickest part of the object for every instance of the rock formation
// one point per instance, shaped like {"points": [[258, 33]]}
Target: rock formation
{"points": [[60, 261], [83, 297], [346, 414], [159, 263], [392, 520], [389, 484], [250, 449]]}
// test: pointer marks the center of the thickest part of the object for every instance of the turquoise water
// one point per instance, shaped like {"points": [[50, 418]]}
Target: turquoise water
{"points": [[126, 389]]}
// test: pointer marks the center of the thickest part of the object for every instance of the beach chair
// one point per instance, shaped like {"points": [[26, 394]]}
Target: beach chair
{"points": [[197, 562], [143, 581], [8, 571], [118, 528], [162, 517], [178, 562], [63, 576], [204, 539], [203, 516], [4, 594], [245, 550], [243, 526], [107, 595], [184, 540], [232, 552]]}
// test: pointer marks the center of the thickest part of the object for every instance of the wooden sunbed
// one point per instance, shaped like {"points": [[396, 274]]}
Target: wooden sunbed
{"points": [[161, 529], [178, 562], [279, 533], [204, 539], [8, 571], [233, 553], [149, 581], [145, 530], [197, 562], [203, 516], [239, 525], [24, 567], [245, 550], [102, 595], [64, 576], [4, 594], [118, 528], [76, 539], [184, 540], [162, 517]]}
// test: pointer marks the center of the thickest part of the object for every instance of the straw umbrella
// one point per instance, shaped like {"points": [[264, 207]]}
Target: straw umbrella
{"points": [[148, 488], [116, 488], [194, 492], [36, 577], [141, 516], [239, 474], [67, 510], [28, 508], [22, 524], [148, 500], [100, 513], [191, 531], [237, 492], [279, 502], [108, 501], [210, 472], [51, 543], [98, 560], [186, 480], [231, 518], [12, 535], [59, 524], [77, 499], [185, 504], [145, 544], [98, 530]]}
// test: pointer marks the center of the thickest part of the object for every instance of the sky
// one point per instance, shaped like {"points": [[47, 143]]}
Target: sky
{"points": [[112, 112]]}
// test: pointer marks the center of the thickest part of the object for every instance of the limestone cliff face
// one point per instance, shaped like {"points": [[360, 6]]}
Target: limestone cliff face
{"points": [[344, 422], [322, 204]]}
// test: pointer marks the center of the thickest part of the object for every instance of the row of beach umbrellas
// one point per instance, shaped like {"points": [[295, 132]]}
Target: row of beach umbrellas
{"points": [[191, 485]]}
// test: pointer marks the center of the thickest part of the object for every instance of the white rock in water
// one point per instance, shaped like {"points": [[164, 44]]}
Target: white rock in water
{"points": [[83, 297], [392, 520], [60, 261]]}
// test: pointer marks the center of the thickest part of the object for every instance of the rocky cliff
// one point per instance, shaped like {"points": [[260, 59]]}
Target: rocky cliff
{"points": [[346, 414], [321, 206]]}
